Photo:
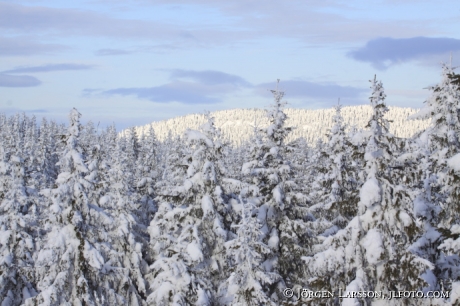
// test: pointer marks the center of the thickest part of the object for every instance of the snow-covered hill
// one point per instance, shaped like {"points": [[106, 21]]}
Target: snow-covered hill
{"points": [[237, 124]]}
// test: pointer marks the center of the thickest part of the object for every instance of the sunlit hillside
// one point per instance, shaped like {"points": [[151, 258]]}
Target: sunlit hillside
{"points": [[237, 124]]}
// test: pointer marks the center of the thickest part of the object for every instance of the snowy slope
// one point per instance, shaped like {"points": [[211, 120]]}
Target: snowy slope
{"points": [[236, 124]]}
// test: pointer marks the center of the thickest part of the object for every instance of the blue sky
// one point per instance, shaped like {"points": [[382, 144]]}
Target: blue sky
{"points": [[135, 61]]}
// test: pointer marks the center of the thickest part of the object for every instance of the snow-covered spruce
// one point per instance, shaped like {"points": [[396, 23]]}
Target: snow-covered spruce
{"points": [[334, 191], [438, 200], [282, 224], [147, 174], [248, 282], [372, 252], [71, 266], [187, 234], [18, 213]]}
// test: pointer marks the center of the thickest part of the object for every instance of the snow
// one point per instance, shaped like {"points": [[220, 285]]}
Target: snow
{"points": [[207, 205], [454, 162], [455, 229], [157, 297], [373, 244], [104, 200], [424, 113], [311, 123], [405, 218], [193, 135], [16, 159], [455, 293], [63, 177], [93, 257], [203, 299], [278, 196], [194, 251], [274, 240], [370, 192], [188, 184], [236, 206], [360, 137], [355, 286], [248, 166], [45, 256], [3, 167], [78, 161], [4, 236], [407, 157]]}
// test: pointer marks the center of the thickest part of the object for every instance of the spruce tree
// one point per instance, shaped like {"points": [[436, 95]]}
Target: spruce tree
{"points": [[188, 232], [245, 285], [372, 252], [18, 220], [439, 197], [147, 173], [282, 221], [70, 267]]}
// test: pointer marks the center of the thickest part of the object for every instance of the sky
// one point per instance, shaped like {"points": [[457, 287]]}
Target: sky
{"points": [[132, 62]]}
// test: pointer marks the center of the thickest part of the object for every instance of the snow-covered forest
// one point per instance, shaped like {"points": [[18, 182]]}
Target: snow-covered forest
{"points": [[236, 125], [90, 217]]}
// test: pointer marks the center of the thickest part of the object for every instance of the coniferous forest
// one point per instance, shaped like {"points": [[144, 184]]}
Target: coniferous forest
{"points": [[90, 217]]}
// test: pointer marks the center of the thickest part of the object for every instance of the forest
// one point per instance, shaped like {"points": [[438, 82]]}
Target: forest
{"points": [[237, 125], [97, 217]]}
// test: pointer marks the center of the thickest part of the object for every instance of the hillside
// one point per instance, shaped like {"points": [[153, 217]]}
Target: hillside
{"points": [[236, 124]]}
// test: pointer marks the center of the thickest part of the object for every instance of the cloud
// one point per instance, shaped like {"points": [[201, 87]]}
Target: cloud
{"points": [[183, 92], [315, 22], [159, 49], [38, 19], [109, 52], [209, 86], [88, 92], [384, 52], [50, 68], [205, 23], [199, 87], [210, 77], [7, 80], [20, 46], [305, 89]]}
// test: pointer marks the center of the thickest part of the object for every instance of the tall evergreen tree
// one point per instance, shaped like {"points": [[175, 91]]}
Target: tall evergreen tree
{"points": [[334, 193], [439, 197], [17, 223], [372, 252], [147, 173], [46, 157], [282, 224], [188, 232], [126, 234], [248, 277], [70, 267]]}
